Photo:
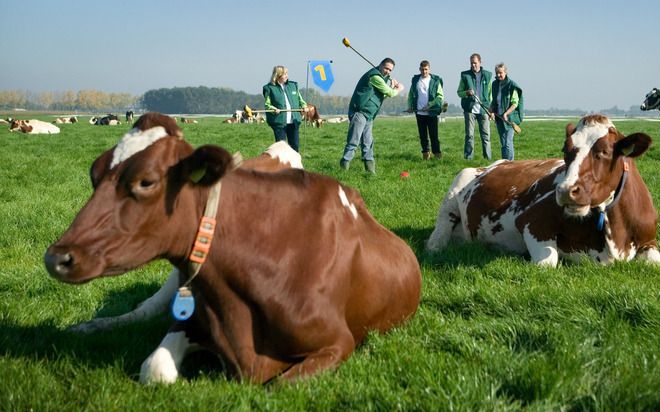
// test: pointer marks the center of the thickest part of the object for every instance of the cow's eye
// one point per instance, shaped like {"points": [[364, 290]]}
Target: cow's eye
{"points": [[603, 154], [145, 187], [146, 184]]}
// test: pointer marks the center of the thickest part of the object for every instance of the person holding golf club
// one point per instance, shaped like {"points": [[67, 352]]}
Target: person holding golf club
{"points": [[283, 103], [506, 108], [425, 100], [475, 88], [370, 92]]}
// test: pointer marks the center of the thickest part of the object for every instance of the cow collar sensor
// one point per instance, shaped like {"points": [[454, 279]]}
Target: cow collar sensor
{"points": [[609, 204], [183, 303]]}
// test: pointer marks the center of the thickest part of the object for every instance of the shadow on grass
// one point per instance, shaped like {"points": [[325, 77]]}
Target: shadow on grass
{"points": [[463, 254], [126, 346], [47, 342]]}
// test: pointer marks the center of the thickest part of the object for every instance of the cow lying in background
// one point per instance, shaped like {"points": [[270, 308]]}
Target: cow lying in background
{"points": [[62, 120], [340, 119], [297, 270], [652, 100], [33, 126], [188, 120], [312, 116], [592, 203], [109, 120]]}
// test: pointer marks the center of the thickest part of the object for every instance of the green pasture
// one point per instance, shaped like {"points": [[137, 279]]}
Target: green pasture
{"points": [[493, 331]]}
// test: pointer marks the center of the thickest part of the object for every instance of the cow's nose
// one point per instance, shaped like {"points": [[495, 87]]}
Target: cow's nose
{"points": [[59, 265], [567, 194]]}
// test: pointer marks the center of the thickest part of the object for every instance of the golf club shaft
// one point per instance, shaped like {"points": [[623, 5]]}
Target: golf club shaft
{"points": [[273, 110], [483, 106], [365, 59]]}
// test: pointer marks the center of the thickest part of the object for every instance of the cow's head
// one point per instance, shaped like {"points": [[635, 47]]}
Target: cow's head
{"points": [[22, 125], [652, 100], [147, 201], [594, 154]]}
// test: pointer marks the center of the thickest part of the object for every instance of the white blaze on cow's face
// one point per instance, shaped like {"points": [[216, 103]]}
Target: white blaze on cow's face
{"points": [[578, 147], [135, 141]]}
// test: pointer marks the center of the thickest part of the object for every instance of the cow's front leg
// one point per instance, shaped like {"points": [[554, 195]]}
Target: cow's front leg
{"points": [[543, 253], [650, 255], [163, 365], [328, 357], [150, 308]]}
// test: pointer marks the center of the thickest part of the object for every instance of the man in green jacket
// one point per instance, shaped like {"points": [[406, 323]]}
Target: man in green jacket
{"points": [[425, 100], [475, 84], [370, 91]]}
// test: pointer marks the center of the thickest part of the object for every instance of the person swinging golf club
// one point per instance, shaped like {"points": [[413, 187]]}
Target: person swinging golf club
{"points": [[370, 92]]}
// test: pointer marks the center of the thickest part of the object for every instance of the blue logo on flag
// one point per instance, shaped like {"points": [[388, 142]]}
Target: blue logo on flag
{"points": [[322, 74]]}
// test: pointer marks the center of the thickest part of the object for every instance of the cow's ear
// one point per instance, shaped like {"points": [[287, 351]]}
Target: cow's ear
{"points": [[634, 145], [570, 129], [206, 165], [100, 167]]}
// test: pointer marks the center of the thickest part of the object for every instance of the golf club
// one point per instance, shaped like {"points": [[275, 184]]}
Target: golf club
{"points": [[516, 128], [348, 44]]}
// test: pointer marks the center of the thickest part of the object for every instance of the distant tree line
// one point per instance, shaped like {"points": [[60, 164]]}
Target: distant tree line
{"points": [[205, 100], [222, 100], [68, 101]]}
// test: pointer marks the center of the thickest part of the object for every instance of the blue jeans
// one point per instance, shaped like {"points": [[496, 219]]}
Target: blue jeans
{"points": [[484, 131], [506, 139], [359, 133], [288, 133]]}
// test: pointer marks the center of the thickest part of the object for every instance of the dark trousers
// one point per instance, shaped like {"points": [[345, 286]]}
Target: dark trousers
{"points": [[288, 133], [428, 128]]}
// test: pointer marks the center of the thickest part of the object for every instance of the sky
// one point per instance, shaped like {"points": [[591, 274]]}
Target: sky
{"points": [[588, 55]]}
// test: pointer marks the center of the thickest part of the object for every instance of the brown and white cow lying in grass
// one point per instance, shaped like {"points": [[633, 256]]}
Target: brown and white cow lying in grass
{"points": [[297, 271], [64, 120], [592, 203], [33, 126]]}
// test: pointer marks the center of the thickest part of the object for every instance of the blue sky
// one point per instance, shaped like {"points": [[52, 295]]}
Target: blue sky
{"points": [[567, 54]]}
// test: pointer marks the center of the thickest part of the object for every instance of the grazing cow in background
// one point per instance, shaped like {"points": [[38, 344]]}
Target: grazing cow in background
{"points": [[188, 120], [593, 203], [129, 117], [33, 126], [279, 156], [312, 116], [62, 120], [297, 270], [652, 100]]}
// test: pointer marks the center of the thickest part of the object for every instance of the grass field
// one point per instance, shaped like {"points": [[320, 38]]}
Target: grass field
{"points": [[493, 331]]}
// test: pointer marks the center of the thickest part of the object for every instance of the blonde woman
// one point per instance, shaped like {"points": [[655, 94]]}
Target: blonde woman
{"points": [[282, 99]]}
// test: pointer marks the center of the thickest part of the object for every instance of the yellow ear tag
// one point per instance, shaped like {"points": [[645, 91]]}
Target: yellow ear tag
{"points": [[197, 174]]}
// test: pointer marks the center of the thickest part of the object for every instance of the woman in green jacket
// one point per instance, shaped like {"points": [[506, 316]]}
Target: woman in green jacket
{"points": [[284, 104]]}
